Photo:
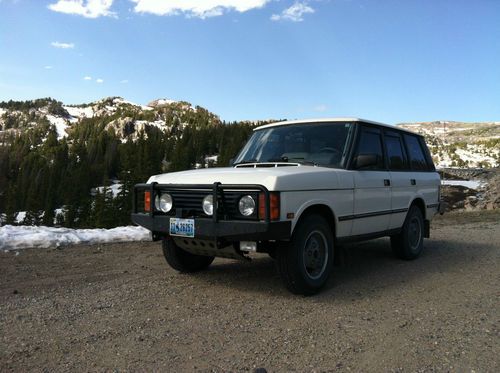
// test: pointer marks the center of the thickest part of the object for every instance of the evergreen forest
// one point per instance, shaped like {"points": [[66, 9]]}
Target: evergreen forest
{"points": [[55, 179]]}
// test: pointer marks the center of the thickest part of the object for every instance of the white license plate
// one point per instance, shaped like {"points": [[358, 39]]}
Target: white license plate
{"points": [[182, 227]]}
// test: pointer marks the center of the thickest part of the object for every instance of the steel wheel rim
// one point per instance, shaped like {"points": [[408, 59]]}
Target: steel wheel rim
{"points": [[414, 233], [315, 254]]}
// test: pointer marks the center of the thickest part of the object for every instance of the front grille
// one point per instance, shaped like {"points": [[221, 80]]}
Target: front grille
{"points": [[190, 202]]}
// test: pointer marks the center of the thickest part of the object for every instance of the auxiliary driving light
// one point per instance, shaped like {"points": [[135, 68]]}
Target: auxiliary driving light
{"points": [[246, 205], [164, 202], [208, 205]]}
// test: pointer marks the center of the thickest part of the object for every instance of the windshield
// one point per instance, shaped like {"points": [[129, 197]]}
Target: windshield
{"points": [[323, 144]]}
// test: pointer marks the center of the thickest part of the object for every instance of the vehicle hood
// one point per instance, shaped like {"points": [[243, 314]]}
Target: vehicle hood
{"points": [[273, 178]]}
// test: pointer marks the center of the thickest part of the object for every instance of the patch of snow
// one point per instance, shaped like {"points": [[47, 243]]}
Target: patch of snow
{"points": [[212, 158], [114, 189], [20, 217], [164, 101], [79, 112], [23, 237], [2, 111], [60, 124], [120, 100], [473, 157], [141, 124], [471, 184]]}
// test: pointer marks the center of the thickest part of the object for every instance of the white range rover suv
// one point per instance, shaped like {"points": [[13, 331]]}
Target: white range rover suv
{"points": [[295, 191]]}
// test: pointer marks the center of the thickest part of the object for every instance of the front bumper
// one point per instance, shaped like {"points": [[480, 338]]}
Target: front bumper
{"points": [[217, 226], [207, 229]]}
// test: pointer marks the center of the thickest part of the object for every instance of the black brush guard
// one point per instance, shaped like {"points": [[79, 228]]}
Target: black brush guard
{"points": [[211, 228]]}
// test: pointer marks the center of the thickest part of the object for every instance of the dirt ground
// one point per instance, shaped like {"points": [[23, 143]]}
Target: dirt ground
{"points": [[120, 307]]}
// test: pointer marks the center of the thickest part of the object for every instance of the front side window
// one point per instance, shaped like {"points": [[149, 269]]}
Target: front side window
{"points": [[370, 144], [323, 144], [415, 152]]}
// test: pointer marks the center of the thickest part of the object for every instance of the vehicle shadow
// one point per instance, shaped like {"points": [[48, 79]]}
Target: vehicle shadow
{"points": [[369, 268]]}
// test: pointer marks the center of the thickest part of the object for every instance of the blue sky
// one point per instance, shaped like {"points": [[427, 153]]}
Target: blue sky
{"points": [[387, 60]]}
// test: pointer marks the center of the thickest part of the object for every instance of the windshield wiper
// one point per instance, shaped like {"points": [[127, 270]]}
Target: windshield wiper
{"points": [[293, 160]]}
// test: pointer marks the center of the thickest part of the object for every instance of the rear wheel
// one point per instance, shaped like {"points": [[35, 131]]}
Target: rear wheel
{"points": [[184, 261], [305, 264], [409, 243]]}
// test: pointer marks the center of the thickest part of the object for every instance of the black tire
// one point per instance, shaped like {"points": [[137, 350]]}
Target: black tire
{"points": [[182, 260], [306, 262], [408, 245]]}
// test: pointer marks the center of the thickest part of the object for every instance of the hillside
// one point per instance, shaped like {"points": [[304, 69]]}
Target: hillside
{"points": [[459, 144], [125, 118]]}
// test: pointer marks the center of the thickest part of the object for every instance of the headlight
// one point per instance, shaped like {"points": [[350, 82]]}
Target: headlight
{"points": [[246, 205], [164, 202], [208, 205]]}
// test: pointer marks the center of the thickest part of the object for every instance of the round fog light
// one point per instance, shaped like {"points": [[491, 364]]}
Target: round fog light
{"points": [[246, 205], [164, 202], [208, 205]]}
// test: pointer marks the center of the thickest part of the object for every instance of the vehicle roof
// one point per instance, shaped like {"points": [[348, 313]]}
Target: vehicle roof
{"points": [[329, 120]]}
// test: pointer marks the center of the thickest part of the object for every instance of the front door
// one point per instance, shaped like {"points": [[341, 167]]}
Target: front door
{"points": [[372, 190]]}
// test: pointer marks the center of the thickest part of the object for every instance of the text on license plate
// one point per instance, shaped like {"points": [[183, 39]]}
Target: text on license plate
{"points": [[182, 227]]}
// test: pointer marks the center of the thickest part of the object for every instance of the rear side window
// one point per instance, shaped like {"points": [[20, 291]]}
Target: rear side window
{"points": [[370, 142], [416, 154], [395, 153]]}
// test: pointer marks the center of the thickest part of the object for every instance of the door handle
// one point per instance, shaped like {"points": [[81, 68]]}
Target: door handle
{"points": [[387, 182], [413, 182]]}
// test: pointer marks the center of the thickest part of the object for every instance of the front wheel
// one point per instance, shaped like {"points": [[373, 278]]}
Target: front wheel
{"points": [[184, 261], [305, 264], [409, 243]]}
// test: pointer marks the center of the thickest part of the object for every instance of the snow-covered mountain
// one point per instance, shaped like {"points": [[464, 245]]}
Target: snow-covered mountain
{"points": [[126, 118], [460, 144], [452, 144]]}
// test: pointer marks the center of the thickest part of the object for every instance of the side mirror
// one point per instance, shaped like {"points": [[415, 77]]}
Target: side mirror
{"points": [[231, 162], [365, 160]]}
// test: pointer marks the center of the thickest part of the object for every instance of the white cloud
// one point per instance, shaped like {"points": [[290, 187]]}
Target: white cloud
{"points": [[99, 80], [48, 67], [295, 13], [195, 8], [85, 8], [87, 78], [57, 44], [320, 108], [124, 81]]}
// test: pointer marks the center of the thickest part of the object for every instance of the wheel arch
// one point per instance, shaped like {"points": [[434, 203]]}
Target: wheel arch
{"points": [[320, 209], [419, 202]]}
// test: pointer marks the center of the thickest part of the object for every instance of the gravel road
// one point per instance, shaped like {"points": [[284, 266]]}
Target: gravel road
{"points": [[120, 307]]}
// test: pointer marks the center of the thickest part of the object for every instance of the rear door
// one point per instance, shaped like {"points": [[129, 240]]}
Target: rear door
{"points": [[402, 180], [372, 196]]}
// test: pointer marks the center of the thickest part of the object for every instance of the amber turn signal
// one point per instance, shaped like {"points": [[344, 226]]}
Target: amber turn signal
{"points": [[274, 199], [147, 200]]}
